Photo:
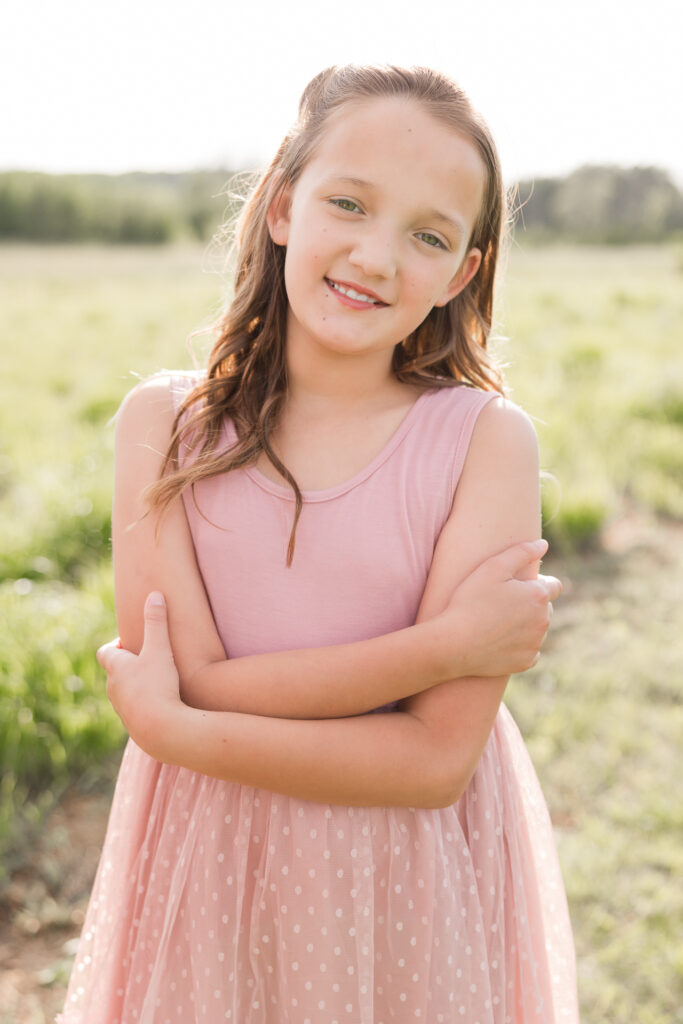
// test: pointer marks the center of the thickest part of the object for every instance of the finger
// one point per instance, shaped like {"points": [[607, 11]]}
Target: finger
{"points": [[518, 556], [553, 586], [156, 626], [106, 654]]}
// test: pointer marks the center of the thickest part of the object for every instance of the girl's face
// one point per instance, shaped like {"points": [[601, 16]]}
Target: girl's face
{"points": [[376, 227]]}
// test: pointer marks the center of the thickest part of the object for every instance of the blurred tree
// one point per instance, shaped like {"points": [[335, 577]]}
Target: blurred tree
{"points": [[602, 204]]}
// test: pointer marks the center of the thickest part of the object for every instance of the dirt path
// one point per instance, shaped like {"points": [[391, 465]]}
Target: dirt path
{"points": [[42, 910]]}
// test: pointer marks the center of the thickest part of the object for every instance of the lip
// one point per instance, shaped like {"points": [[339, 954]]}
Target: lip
{"points": [[355, 303]]}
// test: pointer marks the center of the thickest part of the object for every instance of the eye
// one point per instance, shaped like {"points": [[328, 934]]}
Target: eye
{"points": [[346, 204], [433, 241]]}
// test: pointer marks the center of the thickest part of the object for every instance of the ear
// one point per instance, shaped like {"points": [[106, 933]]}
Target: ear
{"points": [[278, 216], [468, 268]]}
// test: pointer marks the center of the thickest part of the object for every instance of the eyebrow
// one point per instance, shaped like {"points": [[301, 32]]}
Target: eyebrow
{"points": [[453, 221], [456, 223]]}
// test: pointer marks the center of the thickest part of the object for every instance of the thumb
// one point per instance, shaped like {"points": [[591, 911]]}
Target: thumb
{"points": [[156, 625], [517, 557]]}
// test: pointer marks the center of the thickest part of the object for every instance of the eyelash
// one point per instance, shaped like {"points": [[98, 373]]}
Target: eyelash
{"points": [[338, 202], [423, 235], [427, 234]]}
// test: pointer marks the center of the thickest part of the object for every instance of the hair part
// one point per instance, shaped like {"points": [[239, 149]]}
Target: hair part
{"points": [[247, 371]]}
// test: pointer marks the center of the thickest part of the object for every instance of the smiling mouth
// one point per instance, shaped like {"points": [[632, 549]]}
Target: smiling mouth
{"points": [[364, 298]]}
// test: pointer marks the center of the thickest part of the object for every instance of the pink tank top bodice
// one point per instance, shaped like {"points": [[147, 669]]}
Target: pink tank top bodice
{"points": [[363, 548]]}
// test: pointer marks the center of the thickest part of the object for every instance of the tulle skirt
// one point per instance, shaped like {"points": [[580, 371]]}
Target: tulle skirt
{"points": [[218, 902]]}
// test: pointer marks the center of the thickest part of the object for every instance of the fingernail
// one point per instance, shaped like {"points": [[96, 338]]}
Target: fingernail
{"points": [[156, 599]]}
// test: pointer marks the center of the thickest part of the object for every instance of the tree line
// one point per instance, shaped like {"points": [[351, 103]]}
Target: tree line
{"points": [[125, 208], [599, 204]]}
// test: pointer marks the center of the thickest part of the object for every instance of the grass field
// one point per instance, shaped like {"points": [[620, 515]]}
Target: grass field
{"points": [[594, 357]]}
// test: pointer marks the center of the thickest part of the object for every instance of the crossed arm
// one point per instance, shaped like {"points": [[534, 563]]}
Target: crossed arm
{"points": [[422, 755]]}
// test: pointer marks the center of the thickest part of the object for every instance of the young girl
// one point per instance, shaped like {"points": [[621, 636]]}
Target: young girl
{"points": [[356, 535]]}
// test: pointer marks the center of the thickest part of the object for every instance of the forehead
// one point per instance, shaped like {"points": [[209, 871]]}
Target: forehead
{"points": [[396, 142]]}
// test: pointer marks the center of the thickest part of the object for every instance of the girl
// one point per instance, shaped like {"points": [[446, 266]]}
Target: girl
{"points": [[356, 534]]}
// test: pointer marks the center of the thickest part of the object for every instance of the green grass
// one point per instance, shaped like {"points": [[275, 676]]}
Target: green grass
{"points": [[83, 324], [55, 721], [595, 359], [602, 718]]}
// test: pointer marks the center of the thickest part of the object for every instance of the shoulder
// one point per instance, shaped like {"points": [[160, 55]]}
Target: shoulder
{"points": [[505, 430], [494, 414], [450, 410], [475, 431], [152, 404], [501, 468], [144, 422], [496, 494]]}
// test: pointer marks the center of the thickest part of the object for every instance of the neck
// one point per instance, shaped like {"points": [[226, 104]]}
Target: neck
{"points": [[320, 377]]}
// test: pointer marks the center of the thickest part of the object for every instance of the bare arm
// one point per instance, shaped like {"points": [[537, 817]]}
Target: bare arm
{"points": [[497, 503], [320, 682], [422, 755]]}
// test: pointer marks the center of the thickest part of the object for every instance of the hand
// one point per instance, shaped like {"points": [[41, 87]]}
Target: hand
{"points": [[144, 687], [500, 618]]}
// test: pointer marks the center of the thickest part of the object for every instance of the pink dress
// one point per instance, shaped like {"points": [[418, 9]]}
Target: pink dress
{"points": [[219, 902]]}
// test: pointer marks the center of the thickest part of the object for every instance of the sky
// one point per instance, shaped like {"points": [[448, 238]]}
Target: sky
{"points": [[151, 85]]}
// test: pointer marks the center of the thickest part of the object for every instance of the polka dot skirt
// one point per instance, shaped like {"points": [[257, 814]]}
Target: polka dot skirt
{"points": [[217, 902]]}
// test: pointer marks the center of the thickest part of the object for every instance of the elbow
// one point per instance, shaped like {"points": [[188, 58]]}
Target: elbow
{"points": [[445, 796], [432, 788], [453, 778], [431, 778], [440, 772]]}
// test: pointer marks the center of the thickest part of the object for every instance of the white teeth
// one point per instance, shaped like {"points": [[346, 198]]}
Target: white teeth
{"points": [[352, 294]]}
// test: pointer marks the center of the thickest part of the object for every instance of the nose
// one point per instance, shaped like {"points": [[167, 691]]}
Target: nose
{"points": [[375, 253]]}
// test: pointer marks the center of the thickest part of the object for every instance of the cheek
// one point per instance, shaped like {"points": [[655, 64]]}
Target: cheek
{"points": [[308, 253], [423, 290]]}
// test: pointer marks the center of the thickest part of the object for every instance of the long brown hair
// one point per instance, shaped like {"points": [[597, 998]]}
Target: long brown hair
{"points": [[247, 376]]}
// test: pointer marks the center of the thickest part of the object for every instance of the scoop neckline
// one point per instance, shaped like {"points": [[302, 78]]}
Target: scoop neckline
{"points": [[286, 492]]}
